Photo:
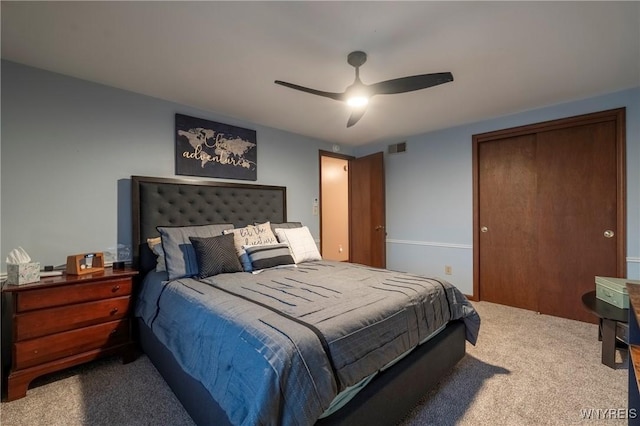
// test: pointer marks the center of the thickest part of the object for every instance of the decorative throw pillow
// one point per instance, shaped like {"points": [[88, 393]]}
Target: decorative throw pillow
{"points": [[179, 255], [251, 235], [269, 256], [303, 247], [215, 255]]}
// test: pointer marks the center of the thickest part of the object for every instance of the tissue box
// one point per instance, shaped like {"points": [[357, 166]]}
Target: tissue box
{"points": [[23, 273]]}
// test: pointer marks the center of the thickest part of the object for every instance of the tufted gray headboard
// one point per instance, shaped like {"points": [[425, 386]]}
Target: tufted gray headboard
{"points": [[181, 202]]}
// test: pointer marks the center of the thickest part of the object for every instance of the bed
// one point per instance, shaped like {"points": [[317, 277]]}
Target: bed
{"points": [[285, 345]]}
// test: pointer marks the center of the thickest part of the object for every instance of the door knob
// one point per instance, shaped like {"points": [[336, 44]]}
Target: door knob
{"points": [[484, 229], [609, 233], [379, 227]]}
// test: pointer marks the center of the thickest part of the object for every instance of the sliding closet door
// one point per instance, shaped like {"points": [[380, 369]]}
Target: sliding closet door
{"points": [[549, 212], [577, 207], [507, 180]]}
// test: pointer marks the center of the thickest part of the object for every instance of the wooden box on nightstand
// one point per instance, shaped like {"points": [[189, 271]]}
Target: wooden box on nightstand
{"points": [[67, 320]]}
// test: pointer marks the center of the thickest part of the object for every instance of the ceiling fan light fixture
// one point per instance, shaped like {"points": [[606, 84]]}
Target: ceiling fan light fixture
{"points": [[357, 101], [357, 95]]}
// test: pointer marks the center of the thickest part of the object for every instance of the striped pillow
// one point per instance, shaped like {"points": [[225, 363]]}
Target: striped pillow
{"points": [[269, 256]]}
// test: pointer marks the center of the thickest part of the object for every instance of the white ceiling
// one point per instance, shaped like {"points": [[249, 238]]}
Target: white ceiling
{"points": [[505, 57]]}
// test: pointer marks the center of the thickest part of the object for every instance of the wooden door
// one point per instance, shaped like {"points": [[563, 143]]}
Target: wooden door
{"points": [[507, 179], [546, 195], [576, 206], [367, 200]]}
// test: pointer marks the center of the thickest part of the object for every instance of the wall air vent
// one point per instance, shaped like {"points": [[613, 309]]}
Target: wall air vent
{"points": [[397, 148]]}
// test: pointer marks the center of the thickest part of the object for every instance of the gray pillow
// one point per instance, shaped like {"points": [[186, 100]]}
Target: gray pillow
{"points": [[216, 255], [285, 225], [179, 254]]}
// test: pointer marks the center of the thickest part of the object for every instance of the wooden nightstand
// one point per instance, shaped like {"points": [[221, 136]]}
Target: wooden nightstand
{"points": [[67, 320]]}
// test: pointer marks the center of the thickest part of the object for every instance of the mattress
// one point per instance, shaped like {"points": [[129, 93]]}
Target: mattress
{"points": [[284, 343]]}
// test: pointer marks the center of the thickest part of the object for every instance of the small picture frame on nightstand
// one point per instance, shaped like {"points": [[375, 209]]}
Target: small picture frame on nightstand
{"points": [[87, 263]]}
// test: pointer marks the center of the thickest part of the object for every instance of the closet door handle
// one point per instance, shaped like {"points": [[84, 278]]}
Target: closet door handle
{"points": [[609, 233], [484, 229]]}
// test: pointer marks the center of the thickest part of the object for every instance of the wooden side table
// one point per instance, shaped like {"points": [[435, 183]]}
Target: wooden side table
{"points": [[67, 320], [610, 316]]}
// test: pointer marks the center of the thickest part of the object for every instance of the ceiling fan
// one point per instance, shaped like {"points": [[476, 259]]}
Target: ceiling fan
{"points": [[358, 94]]}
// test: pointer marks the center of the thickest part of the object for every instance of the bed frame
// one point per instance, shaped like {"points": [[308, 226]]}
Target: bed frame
{"points": [[388, 398]]}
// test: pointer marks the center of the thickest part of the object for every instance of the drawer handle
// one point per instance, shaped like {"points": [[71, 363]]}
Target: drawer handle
{"points": [[114, 331], [115, 288], [114, 311]]}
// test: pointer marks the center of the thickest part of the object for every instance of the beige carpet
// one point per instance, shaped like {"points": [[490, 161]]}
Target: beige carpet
{"points": [[527, 369]]}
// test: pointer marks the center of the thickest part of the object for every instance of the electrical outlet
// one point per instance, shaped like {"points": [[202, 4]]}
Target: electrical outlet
{"points": [[447, 269]]}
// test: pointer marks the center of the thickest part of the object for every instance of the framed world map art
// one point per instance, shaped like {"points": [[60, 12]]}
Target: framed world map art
{"points": [[210, 149]]}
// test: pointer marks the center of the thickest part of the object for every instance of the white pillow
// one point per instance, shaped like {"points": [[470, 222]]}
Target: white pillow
{"points": [[155, 244], [303, 247]]}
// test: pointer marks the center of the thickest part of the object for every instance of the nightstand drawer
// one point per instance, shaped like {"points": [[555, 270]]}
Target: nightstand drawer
{"points": [[75, 293], [38, 351], [34, 324]]}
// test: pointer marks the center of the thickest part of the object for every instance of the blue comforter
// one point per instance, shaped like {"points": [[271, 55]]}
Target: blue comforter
{"points": [[277, 347]]}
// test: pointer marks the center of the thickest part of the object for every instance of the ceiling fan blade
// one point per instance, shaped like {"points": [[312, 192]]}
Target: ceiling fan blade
{"points": [[409, 84], [330, 95], [356, 115]]}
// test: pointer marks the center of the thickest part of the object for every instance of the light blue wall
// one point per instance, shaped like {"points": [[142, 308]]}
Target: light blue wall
{"points": [[70, 146], [429, 190]]}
